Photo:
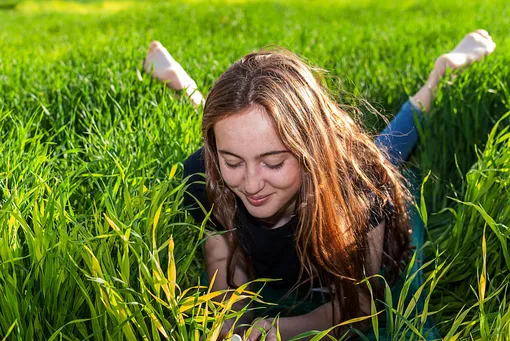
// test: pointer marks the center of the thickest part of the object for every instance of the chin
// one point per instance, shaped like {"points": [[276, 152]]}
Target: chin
{"points": [[260, 213]]}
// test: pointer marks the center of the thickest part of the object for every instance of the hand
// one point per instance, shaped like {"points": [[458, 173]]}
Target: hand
{"points": [[240, 327], [225, 328], [473, 47], [261, 327]]}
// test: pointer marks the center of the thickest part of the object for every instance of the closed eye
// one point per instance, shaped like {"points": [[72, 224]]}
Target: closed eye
{"points": [[278, 166], [230, 165]]}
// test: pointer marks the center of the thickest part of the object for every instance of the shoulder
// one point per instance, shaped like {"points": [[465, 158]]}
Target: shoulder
{"points": [[378, 216], [195, 163], [379, 211]]}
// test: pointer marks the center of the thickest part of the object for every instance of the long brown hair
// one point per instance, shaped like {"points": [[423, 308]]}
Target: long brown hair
{"points": [[345, 176]]}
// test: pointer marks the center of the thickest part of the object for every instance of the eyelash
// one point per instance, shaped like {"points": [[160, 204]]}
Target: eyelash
{"points": [[231, 166], [278, 166]]}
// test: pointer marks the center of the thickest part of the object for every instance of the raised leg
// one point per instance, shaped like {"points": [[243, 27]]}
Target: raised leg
{"points": [[401, 135], [162, 66], [474, 46]]}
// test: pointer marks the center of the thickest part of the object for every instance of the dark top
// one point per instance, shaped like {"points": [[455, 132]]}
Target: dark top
{"points": [[271, 252]]}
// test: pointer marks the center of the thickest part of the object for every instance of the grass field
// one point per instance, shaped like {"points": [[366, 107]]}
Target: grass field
{"points": [[94, 241]]}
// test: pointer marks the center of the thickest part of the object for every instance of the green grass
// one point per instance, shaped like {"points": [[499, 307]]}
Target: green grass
{"points": [[90, 166]]}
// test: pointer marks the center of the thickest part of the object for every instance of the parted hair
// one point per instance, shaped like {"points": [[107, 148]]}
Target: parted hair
{"points": [[345, 176]]}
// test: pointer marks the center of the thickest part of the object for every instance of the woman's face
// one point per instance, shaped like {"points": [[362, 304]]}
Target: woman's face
{"points": [[256, 166]]}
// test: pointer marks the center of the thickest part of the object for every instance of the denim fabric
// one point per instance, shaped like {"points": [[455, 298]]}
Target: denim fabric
{"points": [[401, 135]]}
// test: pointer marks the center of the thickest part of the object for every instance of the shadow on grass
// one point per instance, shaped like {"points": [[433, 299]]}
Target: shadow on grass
{"points": [[8, 4]]}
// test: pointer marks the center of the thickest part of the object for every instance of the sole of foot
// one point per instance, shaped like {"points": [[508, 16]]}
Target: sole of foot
{"points": [[474, 46], [162, 66]]}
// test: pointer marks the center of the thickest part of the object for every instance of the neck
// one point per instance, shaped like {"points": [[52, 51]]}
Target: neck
{"points": [[280, 218]]}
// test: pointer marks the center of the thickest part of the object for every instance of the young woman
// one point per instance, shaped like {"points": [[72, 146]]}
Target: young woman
{"points": [[305, 195]]}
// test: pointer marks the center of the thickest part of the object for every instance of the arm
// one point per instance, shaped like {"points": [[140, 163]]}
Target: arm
{"points": [[217, 249], [322, 317]]}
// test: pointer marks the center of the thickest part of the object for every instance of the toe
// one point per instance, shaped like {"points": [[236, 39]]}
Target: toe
{"points": [[153, 45], [483, 33]]}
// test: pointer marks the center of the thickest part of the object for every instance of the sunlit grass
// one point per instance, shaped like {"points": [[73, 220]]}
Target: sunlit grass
{"points": [[476, 241], [66, 7], [94, 239]]}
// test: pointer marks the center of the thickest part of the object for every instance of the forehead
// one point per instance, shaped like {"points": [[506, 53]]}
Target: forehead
{"points": [[248, 133]]}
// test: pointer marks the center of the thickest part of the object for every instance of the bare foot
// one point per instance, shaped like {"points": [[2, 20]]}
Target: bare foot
{"points": [[473, 47], [162, 66]]}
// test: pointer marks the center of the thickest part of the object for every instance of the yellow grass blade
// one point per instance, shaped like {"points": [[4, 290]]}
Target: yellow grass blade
{"points": [[172, 272]]}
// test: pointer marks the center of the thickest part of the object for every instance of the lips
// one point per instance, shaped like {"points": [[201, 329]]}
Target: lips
{"points": [[258, 200]]}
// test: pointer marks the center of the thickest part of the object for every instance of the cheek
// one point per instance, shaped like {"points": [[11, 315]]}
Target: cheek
{"points": [[231, 177], [288, 180]]}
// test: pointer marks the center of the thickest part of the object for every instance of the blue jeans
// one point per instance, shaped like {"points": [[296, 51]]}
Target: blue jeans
{"points": [[401, 135], [398, 139]]}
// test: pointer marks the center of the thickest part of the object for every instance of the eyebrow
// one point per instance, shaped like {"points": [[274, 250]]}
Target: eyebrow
{"points": [[260, 156]]}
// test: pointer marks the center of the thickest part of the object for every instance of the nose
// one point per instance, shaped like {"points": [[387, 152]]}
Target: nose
{"points": [[253, 181]]}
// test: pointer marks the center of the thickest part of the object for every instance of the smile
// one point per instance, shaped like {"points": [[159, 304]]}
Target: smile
{"points": [[258, 200]]}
